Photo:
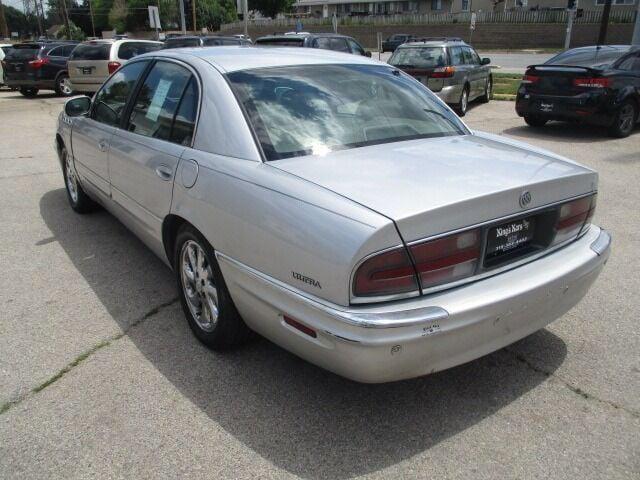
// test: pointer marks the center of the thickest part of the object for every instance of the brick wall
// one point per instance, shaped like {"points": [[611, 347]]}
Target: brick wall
{"points": [[488, 35]]}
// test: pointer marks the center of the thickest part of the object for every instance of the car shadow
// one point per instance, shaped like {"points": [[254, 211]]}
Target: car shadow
{"points": [[301, 418], [565, 131]]}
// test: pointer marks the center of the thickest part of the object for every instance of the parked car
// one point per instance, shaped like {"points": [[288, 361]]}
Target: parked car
{"points": [[394, 41], [198, 41], [92, 62], [4, 48], [325, 41], [451, 69], [594, 85], [333, 205], [34, 66]]}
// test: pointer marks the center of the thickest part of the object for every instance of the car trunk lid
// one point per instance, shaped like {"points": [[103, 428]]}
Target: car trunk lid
{"points": [[559, 80], [89, 62], [432, 186]]}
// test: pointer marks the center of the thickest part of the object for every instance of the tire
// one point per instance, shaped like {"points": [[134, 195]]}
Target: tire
{"points": [[535, 121], [63, 87], [461, 107], [624, 120], [204, 296], [29, 92], [488, 91], [78, 200]]}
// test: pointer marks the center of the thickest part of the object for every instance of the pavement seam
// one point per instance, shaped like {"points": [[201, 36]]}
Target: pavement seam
{"points": [[577, 390], [85, 355]]}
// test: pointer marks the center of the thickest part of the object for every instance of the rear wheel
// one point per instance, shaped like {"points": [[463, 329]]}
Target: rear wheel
{"points": [[535, 121], [79, 201], [488, 91], [624, 120], [463, 104], [29, 92], [205, 300], [63, 85]]}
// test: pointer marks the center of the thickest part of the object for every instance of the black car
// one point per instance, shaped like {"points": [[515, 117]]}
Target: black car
{"points": [[394, 41], [595, 85], [326, 41], [31, 67], [198, 41]]}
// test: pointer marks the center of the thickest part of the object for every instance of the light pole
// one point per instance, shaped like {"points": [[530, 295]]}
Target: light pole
{"points": [[635, 40]]}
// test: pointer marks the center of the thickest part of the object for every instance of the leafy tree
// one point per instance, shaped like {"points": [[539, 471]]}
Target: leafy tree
{"points": [[271, 8], [17, 21], [213, 13], [76, 33]]}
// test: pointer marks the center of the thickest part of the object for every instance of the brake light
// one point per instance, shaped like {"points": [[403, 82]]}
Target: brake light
{"points": [[447, 259], [443, 72], [530, 79], [38, 62], [574, 217], [592, 82], [113, 66], [388, 273]]}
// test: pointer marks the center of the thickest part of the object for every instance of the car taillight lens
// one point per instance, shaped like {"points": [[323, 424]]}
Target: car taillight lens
{"points": [[38, 63], [443, 72], [530, 79], [113, 66], [592, 82], [447, 259], [573, 217], [388, 273]]}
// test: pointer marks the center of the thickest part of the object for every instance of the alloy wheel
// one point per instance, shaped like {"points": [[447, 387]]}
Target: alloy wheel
{"points": [[198, 285], [65, 86], [626, 118], [464, 100], [72, 182]]}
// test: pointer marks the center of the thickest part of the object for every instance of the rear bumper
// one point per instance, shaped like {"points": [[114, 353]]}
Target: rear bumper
{"points": [[588, 108], [450, 94], [414, 337], [41, 84], [83, 85]]}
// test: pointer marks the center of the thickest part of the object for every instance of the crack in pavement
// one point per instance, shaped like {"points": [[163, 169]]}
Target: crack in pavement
{"points": [[85, 355], [577, 390], [9, 177]]}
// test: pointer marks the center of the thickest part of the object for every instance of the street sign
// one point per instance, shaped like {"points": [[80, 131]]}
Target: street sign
{"points": [[473, 21], [154, 17]]}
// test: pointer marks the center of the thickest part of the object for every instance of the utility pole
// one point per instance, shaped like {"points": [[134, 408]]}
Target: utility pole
{"points": [[183, 24], [93, 25], [66, 18], [245, 17], [635, 40], [39, 18], [4, 29], [604, 23], [571, 15], [193, 11]]}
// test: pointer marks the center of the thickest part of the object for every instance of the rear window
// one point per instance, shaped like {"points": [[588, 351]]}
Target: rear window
{"points": [[129, 50], [419, 57], [281, 42], [591, 58], [91, 51], [23, 51], [181, 42], [220, 41]]}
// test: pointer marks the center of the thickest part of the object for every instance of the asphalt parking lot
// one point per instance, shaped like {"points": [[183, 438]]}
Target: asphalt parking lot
{"points": [[100, 376]]}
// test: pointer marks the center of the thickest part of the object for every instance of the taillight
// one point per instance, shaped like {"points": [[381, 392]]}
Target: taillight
{"points": [[387, 273], [113, 66], [592, 82], [447, 259], [530, 79], [443, 72], [38, 62], [573, 217]]}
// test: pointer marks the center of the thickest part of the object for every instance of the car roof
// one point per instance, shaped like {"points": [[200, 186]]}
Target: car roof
{"points": [[301, 36], [433, 42], [598, 47], [234, 58]]}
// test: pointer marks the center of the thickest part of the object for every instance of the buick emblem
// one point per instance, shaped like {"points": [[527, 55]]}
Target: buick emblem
{"points": [[525, 199]]}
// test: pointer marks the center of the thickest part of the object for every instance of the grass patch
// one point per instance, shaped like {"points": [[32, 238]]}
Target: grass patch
{"points": [[505, 85]]}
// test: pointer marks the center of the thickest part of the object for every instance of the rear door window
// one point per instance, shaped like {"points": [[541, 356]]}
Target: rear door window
{"points": [[128, 50], [158, 101], [91, 51], [457, 57], [112, 98], [355, 47], [67, 49], [323, 42], [339, 45], [470, 57], [56, 52]]}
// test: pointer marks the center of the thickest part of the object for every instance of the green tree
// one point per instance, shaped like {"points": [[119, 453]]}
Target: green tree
{"points": [[213, 13], [118, 16], [271, 8], [17, 21], [76, 33]]}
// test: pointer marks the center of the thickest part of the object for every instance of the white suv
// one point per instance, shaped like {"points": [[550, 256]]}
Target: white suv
{"points": [[92, 62]]}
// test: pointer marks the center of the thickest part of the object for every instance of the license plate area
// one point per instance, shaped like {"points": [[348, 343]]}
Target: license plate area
{"points": [[86, 70]]}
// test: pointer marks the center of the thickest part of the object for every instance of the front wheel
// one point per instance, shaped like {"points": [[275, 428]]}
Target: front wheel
{"points": [[63, 86], [535, 121], [204, 296], [79, 201], [624, 120], [29, 92]]}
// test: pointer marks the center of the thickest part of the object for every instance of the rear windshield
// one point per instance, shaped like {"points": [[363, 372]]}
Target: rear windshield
{"points": [[221, 41], [591, 58], [181, 42], [281, 42], [91, 51], [128, 50], [23, 51], [419, 57], [312, 110]]}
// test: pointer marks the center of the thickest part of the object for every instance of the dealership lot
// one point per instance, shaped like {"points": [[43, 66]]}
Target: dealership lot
{"points": [[101, 377]]}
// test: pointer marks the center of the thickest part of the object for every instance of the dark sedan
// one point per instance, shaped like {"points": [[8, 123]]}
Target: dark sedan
{"points": [[202, 41], [394, 41], [594, 85], [325, 41]]}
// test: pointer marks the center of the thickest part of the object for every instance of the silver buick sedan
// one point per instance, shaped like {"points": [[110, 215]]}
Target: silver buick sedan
{"points": [[334, 205]]}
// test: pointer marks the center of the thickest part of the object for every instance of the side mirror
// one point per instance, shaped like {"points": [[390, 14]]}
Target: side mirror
{"points": [[485, 61], [367, 54], [77, 106]]}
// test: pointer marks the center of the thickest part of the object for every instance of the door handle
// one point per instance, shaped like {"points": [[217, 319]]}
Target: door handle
{"points": [[103, 145], [164, 172]]}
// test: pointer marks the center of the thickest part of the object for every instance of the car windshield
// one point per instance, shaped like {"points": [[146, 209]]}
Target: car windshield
{"points": [[419, 57], [312, 110], [182, 42], [590, 58], [91, 51], [280, 42]]}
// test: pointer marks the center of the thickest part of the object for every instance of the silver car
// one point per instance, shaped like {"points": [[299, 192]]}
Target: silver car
{"points": [[333, 205], [451, 69]]}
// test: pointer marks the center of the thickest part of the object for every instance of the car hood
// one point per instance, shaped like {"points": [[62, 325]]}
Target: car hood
{"points": [[435, 185]]}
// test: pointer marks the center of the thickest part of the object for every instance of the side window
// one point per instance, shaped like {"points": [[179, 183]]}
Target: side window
{"points": [[457, 57], [113, 96], [185, 121], [128, 50], [339, 45], [157, 102], [468, 56], [355, 47], [55, 52], [630, 64], [322, 42], [67, 49]]}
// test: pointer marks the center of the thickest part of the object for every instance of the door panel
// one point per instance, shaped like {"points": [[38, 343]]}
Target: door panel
{"points": [[90, 142]]}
